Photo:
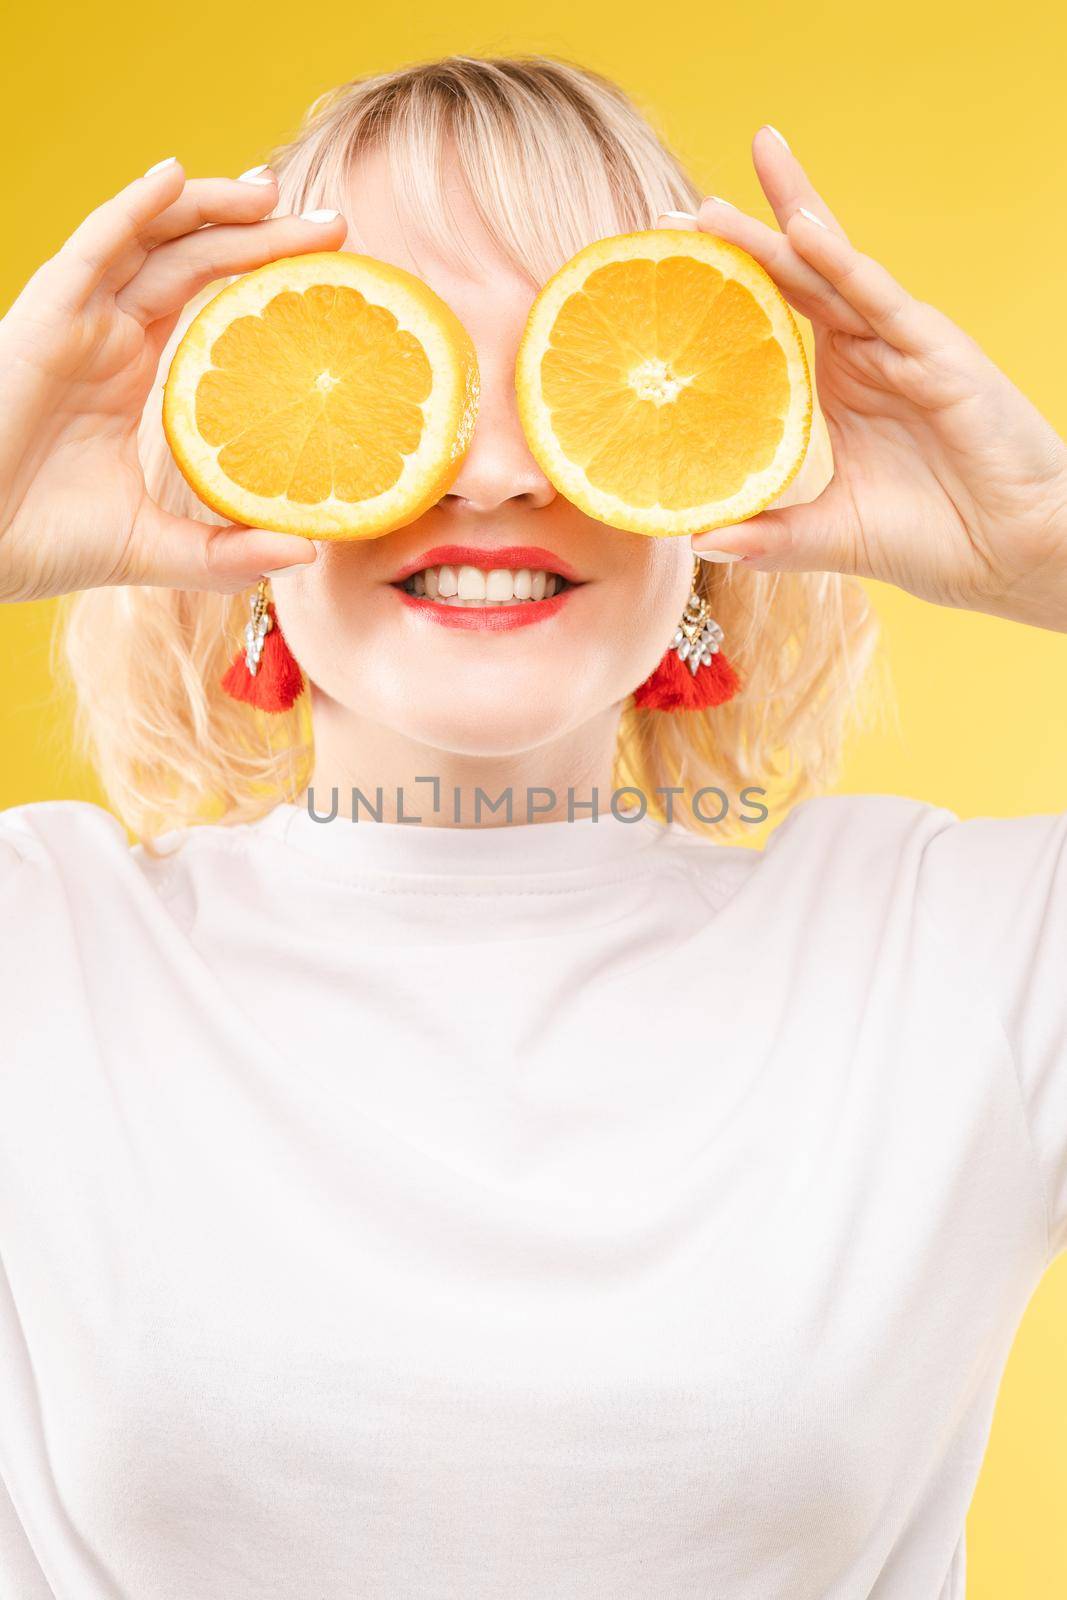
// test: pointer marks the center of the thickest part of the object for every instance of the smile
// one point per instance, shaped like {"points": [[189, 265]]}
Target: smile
{"points": [[482, 592], [473, 586]]}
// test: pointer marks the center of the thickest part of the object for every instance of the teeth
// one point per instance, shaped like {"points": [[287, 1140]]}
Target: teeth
{"points": [[475, 586]]}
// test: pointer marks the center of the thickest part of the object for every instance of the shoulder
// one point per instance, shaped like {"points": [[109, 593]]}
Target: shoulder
{"points": [[64, 864], [857, 856], [79, 902], [881, 846], [61, 864], [61, 855], [69, 867], [51, 831], [945, 857], [829, 852], [848, 830], [828, 832]]}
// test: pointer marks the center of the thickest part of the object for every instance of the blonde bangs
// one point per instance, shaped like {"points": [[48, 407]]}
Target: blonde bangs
{"points": [[552, 156]]}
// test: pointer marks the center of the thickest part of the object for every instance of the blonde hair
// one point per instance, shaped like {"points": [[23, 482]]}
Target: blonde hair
{"points": [[553, 155]]}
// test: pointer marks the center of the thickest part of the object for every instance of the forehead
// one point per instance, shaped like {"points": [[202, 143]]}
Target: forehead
{"points": [[484, 283]]}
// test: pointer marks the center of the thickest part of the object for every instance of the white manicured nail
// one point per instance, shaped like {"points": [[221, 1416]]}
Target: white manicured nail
{"points": [[319, 216], [718, 555], [255, 175], [781, 140], [168, 161], [683, 216], [301, 558], [804, 212], [721, 202]]}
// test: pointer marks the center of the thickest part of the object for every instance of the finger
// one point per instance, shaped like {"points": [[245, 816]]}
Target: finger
{"points": [[202, 202], [818, 536], [206, 200], [893, 314], [174, 272], [81, 262], [798, 279], [784, 181], [182, 553], [819, 239]]}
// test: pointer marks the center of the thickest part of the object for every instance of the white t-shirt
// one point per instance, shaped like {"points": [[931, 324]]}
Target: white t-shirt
{"points": [[553, 1212]]}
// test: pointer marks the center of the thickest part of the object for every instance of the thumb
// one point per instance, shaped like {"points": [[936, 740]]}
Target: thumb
{"points": [[182, 553], [816, 536]]}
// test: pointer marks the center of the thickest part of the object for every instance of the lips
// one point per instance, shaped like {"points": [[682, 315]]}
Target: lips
{"points": [[512, 556], [495, 613], [490, 619]]}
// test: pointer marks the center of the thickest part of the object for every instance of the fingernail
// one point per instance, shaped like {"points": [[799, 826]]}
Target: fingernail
{"points": [[781, 140], [168, 161], [683, 216], [319, 216], [721, 202], [717, 555], [804, 212], [301, 560], [256, 175]]}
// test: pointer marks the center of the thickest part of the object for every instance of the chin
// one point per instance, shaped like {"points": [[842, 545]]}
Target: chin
{"points": [[504, 729]]}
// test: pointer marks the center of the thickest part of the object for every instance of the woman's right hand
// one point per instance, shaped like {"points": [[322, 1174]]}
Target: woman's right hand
{"points": [[79, 350]]}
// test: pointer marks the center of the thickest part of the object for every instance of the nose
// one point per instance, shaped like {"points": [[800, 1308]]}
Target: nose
{"points": [[498, 469]]}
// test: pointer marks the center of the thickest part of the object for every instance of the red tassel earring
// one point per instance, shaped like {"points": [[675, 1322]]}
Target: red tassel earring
{"points": [[694, 675], [265, 673]]}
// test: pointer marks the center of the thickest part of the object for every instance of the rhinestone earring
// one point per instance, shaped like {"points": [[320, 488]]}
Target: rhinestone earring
{"points": [[265, 673], [694, 674]]}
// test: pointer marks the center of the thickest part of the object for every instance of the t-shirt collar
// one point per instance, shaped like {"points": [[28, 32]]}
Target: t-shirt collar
{"points": [[490, 848]]}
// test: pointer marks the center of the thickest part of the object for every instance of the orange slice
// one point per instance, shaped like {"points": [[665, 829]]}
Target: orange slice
{"points": [[331, 395], [662, 383]]}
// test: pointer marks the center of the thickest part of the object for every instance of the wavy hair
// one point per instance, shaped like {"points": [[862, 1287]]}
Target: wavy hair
{"points": [[172, 749]]}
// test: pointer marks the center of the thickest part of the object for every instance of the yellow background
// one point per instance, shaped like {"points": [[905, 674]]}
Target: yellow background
{"points": [[935, 133]]}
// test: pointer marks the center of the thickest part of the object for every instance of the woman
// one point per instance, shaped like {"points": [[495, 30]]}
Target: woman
{"points": [[509, 1205]]}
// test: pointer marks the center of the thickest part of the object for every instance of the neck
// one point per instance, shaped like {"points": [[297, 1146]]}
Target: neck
{"points": [[387, 776]]}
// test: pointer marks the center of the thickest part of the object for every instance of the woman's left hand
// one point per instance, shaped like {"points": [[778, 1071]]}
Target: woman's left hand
{"points": [[947, 481]]}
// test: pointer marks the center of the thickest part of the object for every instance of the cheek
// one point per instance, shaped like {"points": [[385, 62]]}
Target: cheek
{"points": [[649, 600], [326, 615]]}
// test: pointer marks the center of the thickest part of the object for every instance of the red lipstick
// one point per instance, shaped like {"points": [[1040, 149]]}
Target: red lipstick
{"points": [[498, 618], [491, 618], [513, 556]]}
